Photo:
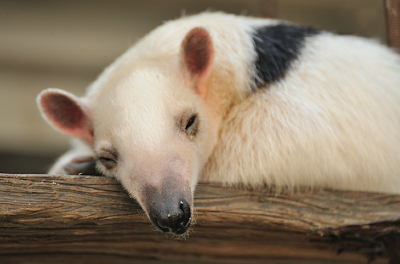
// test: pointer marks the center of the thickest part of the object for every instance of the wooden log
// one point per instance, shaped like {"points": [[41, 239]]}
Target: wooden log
{"points": [[88, 219]]}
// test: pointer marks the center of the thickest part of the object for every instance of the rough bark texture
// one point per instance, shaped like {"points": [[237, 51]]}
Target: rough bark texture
{"points": [[87, 219]]}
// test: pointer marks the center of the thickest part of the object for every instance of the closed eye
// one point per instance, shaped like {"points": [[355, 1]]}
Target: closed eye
{"points": [[192, 126], [190, 122], [108, 158], [108, 163], [105, 160]]}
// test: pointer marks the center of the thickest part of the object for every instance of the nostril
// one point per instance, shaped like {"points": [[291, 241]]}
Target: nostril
{"points": [[162, 226], [185, 208]]}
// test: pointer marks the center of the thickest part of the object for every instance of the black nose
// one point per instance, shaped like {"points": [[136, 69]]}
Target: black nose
{"points": [[172, 217]]}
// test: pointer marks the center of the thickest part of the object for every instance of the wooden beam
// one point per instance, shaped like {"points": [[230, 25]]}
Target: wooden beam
{"points": [[269, 8], [88, 219], [392, 16]]}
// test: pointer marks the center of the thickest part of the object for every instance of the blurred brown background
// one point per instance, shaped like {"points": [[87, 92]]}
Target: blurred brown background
{"points": [[66, 44]]}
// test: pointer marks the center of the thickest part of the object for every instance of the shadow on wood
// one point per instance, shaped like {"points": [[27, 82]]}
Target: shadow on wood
{"points": [[88, 219]]}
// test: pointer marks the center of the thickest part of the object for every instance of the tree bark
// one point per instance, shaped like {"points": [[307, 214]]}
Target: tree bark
{"points": [[88, 219]]}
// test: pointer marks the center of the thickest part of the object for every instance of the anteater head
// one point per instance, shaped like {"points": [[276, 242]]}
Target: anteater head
{"points": [[151, 128]]}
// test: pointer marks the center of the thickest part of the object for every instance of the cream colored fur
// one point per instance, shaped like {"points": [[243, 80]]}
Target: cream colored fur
{"points": [[333, 121], [78, 149]]}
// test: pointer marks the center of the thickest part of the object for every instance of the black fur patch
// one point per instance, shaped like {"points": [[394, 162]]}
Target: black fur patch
{"points": [[277, 47]]}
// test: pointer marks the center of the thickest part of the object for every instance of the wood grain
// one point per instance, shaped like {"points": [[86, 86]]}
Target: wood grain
{"points": [[88, 219]]}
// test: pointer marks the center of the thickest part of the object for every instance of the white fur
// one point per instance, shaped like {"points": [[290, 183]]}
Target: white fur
{"points": [[79, 149], [333, 121]]}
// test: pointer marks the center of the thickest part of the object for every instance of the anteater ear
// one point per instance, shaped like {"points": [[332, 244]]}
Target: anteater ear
{"points": [[197, 54], [66, 113]]}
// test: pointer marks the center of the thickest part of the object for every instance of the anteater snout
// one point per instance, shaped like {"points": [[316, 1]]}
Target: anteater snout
{"points": [[172, 217]]}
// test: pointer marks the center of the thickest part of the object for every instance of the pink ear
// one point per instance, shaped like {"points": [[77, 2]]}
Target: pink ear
{"points": [[197, 54], [67, 113]]}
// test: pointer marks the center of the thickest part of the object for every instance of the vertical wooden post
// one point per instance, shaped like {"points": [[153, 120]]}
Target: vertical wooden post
{"points": [[269, 8], [392, 16]]}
